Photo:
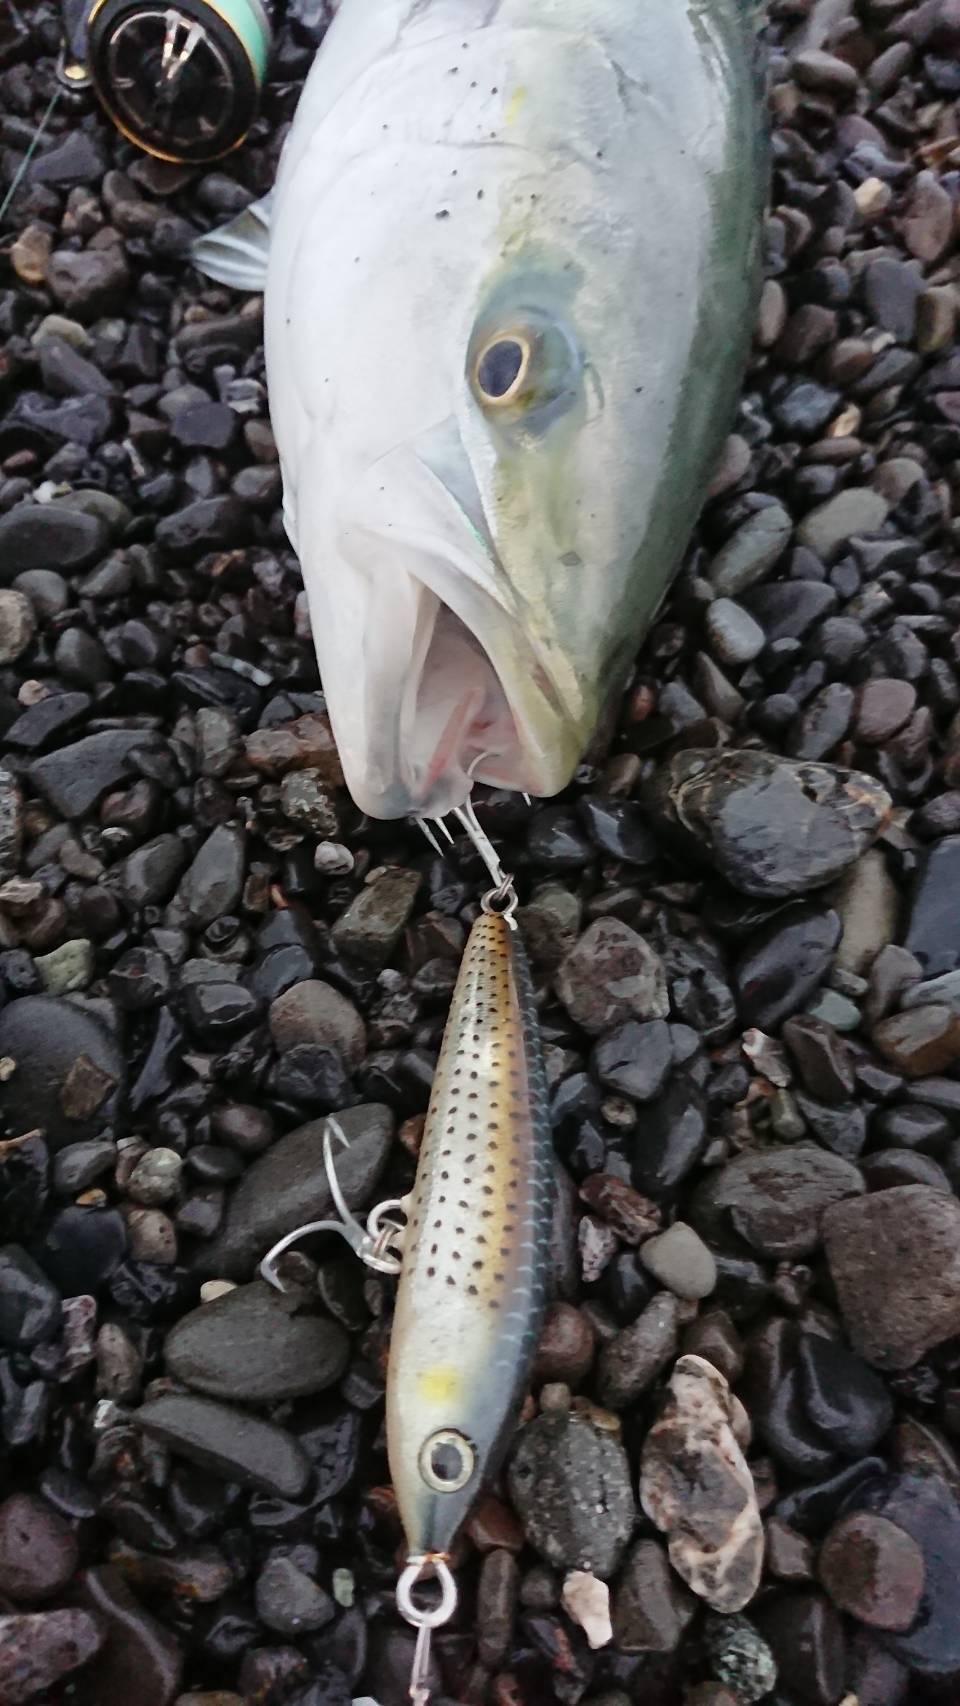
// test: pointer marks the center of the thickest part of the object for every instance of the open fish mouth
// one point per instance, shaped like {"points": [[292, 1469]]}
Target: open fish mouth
{"points": [[473, 705], [436, 674]]}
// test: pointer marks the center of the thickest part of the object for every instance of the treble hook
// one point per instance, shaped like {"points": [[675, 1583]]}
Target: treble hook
{"points": [[379, 1243], [502, 898]]}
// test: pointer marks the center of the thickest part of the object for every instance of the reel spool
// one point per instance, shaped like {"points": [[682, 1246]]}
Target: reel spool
{"points": [[181, 81]]}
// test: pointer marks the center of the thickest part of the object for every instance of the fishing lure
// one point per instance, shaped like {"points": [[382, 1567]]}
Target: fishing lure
{"points": [[472, 1254]]}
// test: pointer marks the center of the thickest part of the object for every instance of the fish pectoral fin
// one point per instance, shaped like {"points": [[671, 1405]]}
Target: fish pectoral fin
{"points": [[236, 253]]}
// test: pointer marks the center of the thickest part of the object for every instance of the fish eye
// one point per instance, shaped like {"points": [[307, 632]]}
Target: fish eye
{"points": [[447, 1461], [523, 368], [501, 369]]}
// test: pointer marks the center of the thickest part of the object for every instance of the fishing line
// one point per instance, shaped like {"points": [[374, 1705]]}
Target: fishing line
{"points": [[35, 141]]}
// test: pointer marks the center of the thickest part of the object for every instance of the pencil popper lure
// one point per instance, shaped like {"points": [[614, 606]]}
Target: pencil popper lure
{"points": [[471, 1250]]}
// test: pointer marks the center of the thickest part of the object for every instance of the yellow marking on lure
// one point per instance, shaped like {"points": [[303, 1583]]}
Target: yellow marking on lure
{"points": [[516, 104], [439, 1385]]}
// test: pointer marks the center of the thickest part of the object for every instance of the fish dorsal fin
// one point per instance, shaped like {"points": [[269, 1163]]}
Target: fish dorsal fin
{"points": [[236, 253]]}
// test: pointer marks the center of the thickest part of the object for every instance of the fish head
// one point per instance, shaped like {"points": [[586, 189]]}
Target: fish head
{"points": [[468, 608]]}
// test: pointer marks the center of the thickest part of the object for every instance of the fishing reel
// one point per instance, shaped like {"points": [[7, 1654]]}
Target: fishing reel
{"points": [[182, 80]]}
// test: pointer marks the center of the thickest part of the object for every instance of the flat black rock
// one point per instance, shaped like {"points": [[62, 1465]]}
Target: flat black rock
{"points": [[784, 964], [255, 1345], [671, 1137], [49, 536], [289, 1185], [773, 827], [76, 777]]}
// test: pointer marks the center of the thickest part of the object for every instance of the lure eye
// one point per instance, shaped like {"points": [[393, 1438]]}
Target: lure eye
{"points": [[501, 369], [447, 1461]]}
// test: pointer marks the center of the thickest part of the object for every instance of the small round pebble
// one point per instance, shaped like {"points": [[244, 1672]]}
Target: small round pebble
{"points": [[680, 1260]]}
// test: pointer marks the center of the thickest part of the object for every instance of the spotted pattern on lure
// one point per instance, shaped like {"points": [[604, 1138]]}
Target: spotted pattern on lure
{"points": [[476, 1262]]}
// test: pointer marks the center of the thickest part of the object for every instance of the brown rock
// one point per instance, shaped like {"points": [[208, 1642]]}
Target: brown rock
{"points": [[38, 1551], [874, 1570], [496, 1606], [928, 218], [651, 1607], [696, 1486], [789, 1555], [566, 1346], [883, 706], [141, 1661], [492, 1524], [814, 69], [30, 255], [612, 974], [632, 1361], [894, 1258], [937, 312], [632, 1216], [714, 1337], [305, 743], [920, 1042], [37, 1650]]}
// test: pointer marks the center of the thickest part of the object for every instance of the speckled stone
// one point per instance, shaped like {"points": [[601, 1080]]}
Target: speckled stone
{"points": [[696, 1486]]}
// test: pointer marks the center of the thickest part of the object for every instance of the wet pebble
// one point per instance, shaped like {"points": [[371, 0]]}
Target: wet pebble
{"points": [[733, 636], [288, 1186], [894, 1259], [372, 924], [848, 1404], [924, 1509], [288, 1601], [776, 1201], [806, 1636], [933, 926], [141, 1659], [680, 1260], [671, 1140], [696, 1487], [651, 1608], [738, 1655], [570, 1484], [873, 1570], [75, 778], [631, 1362], [921, 1041], [313, 1012], [254, 1345], [29, 1305], [38, 1550], [37, 1649], [784, 964], [228, 1442], [634, 1059], [611, 976], [772, 827], [751, 551]]}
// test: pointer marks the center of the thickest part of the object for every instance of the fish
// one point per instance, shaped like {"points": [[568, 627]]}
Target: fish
{"points": [[510, 261]]}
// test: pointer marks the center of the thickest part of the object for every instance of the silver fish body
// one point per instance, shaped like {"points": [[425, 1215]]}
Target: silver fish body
{"points": [[476, 1265], [512, 273]]}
